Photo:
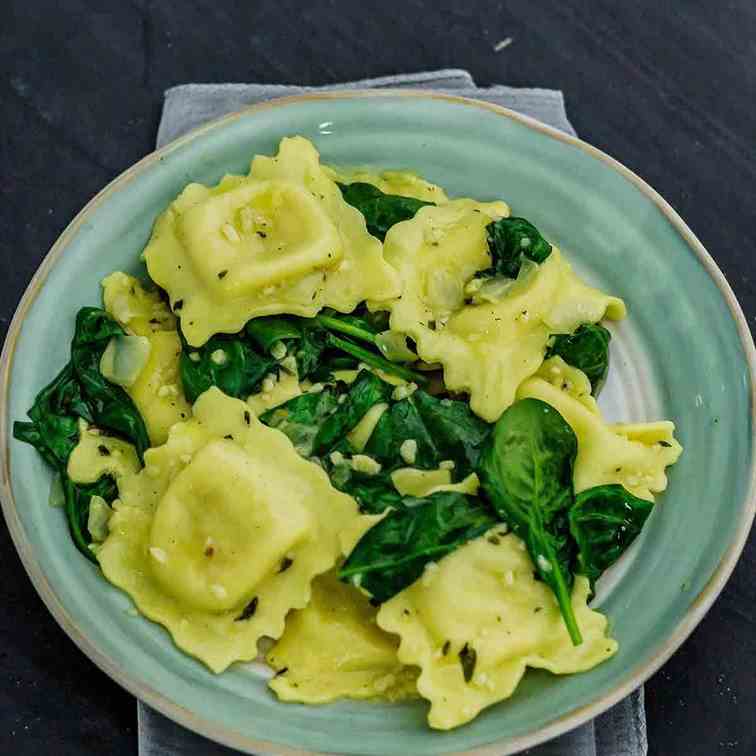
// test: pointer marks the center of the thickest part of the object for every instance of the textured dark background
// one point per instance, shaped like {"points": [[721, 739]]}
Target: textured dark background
{"points": [[669, 88]]}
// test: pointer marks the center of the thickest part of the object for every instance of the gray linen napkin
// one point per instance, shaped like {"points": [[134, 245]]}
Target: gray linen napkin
{"points": [[621, 731]]}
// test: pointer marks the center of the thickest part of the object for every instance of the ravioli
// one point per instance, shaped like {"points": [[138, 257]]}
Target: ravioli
{"points": [[96, 455], [157, 392], [633, 455], [281, 240], [486, 349], [475, 622], [222, 532], [403, 183], [333, 649], [569, 379]]}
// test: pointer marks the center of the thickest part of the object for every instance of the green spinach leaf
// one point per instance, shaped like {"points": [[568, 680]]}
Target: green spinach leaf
{"points": [[526, 472], [80, 391], [302, 417], [587, 349], [110, 406], [374, 493], [443, 429], [77, 499], [267, 331], [394, 552], [54, 430], [381, 210], [604, 521], [509, 239], [228, 362], [366, 391], [304, 338]]}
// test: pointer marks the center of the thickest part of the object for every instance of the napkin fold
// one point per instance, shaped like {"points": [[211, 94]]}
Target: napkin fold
{"points": [[620, 731]]}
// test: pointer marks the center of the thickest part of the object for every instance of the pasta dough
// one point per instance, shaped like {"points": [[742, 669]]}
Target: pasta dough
{"points": [[222, 532], [332, 648], [403, 183], [96, 455], [634, 455], [478, 619], [281, 240], [486, 349]]}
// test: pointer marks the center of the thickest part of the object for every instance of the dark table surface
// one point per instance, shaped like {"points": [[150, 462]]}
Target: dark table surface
{"points": [[669, 88]]}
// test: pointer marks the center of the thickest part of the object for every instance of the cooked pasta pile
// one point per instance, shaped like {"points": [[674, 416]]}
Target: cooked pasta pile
{"points": [[349, 414]]}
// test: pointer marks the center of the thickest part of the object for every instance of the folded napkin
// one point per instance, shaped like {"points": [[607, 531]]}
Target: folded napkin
{"points": [[621, 731]]}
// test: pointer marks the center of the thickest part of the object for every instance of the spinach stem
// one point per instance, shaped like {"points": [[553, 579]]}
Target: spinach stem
{"points": [[334, 324], [565, 605], [374, 360]]}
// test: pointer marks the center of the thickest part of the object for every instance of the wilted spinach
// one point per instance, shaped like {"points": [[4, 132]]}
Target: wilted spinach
{"points": [[238, 363], [443, 429], [54, 430], [375, 360], [526, 473], [302, 417], [268, 331], [229, 362], [509, 239], [80, 391], [587, 349], [381, 210], [604, 521], [366, 391], [77, 499], [109, 405], [394, 552], [373, 493], [317, 423], [302, 337]]}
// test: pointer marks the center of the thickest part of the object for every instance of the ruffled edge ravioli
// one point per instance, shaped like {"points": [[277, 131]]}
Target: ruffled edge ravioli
{"points": [[159, 566], [333, 648], [478, 619], [403, 183], [634, 455], [486, 349], [280, 240]]}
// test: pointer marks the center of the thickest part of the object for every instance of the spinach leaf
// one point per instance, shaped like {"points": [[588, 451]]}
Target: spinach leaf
{"points": [[317, 423], [443, 429], [381, 210], [54, 430], [325, 372], [302, 417], [604, 521], [228, 362], [351, 325], [109, 405], [366, 390], [373, 493], [394, 552], [77, 499], [302, 337], [587, 349], [265, 332], [80, 391], [375, 360], [310, 350], [526, 472], [508, 240]]}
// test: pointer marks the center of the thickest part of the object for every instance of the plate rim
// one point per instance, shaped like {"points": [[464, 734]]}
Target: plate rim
{"points": [[198, 723]]}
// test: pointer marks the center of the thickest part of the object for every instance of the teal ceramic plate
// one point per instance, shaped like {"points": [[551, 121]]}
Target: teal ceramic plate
{"points": [[685, 353]]}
